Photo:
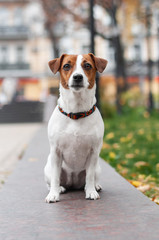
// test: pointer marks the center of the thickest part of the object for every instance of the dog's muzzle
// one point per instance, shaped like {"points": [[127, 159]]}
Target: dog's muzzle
{"points": [[77, 81]]}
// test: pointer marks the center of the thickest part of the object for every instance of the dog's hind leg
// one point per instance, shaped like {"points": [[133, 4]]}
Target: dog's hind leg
{"points": [[62, 189]]}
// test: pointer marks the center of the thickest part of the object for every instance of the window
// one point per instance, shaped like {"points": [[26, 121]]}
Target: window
{"points": [[4, 54], [18, 16], [20, 54], [137, 52], [4, 16]]}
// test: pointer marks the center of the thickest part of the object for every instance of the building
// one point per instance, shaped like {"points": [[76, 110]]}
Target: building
{"points": [[25, 47]]}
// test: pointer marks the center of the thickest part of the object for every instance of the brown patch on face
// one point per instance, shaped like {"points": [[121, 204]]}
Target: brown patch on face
{"points": [[67, 67], [89, 72]]}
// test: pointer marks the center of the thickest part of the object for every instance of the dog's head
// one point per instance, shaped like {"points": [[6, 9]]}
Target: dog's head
{"points": [[78, 71]]}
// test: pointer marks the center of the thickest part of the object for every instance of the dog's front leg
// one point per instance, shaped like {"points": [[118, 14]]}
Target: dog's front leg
{"points": [[90, 190], [56, 162]]}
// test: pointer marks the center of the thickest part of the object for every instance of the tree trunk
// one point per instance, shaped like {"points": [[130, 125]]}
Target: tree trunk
{"points": [[55, 46], [120, 72]]}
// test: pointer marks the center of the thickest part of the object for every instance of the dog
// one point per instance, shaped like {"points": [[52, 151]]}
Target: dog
{"points": [[75, 129]]}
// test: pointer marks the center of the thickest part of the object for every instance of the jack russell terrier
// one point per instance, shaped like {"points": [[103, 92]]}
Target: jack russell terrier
{"points": [[75, 129]]}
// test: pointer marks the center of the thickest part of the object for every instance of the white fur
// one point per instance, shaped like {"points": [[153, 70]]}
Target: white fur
{"points": [[74, 144]]}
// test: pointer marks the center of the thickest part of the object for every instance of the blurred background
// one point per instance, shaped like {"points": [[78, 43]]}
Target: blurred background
{"points": [[126, 33]]}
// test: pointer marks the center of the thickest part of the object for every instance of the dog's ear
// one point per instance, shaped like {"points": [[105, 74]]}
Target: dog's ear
{"points": [[100, 63], [55, 64]]}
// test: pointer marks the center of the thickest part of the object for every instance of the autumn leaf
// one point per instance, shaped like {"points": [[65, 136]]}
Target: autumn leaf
{"points": [[124, 171], [130, 136], [135, 183], [116, 146], [141, 177], [119, 166], [146, 115], [106, 146], [141, 164], [112, 155], [155, 199], [123, 139], [129, 155], [144, 188], [141, 131], [110, 135]]}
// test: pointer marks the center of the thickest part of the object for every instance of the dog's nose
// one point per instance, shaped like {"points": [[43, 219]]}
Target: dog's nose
{"points": [[78, 78]]}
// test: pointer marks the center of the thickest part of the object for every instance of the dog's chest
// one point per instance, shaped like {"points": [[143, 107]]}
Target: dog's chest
{"points": [[75, 149], [75, 140]]}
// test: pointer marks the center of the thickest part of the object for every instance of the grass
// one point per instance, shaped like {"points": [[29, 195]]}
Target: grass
{"points": [[131, 146]]}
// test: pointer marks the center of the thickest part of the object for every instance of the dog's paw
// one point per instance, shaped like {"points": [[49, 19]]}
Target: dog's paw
{"points": [[98, 187], [62, 189], [92, 195], [52, 198]]}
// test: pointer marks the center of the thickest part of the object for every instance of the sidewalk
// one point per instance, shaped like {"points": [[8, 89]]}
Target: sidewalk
{"points": [[122, 213], [14, 139]]}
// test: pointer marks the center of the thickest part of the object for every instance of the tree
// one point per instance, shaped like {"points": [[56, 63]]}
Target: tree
{"points": [[57, 13], [111, 8]]}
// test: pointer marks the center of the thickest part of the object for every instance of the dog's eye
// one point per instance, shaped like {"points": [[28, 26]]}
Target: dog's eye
{"points": [[87, 66], [67, 67]]}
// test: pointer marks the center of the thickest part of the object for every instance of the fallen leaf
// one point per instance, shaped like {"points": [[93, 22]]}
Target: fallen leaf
{"points": [[116, 146], [146, 114], [124, 171], [123, 139], [150, 178], [106, 146], [112, 155], [141, 131], [129, 155], [124, 161], [141, 164], [133, 174], [110, 135], [135, 183], [144, 188], [141, 177], [119, 166], [155, 199], [130, 136]]}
